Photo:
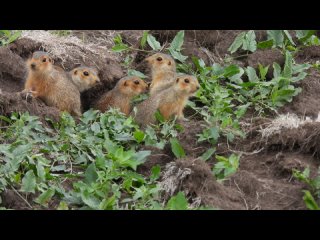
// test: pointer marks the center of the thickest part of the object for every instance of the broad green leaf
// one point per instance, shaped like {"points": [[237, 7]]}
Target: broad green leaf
{"points": [[309, 201], [177, 55], [237, 77], [95, 127], [249, 42], [7, 33], [155, 172], [287, 72], [91, 174], [263, 71], [289, 37], [177, 42], [139, 136], [45, 197], [252, 75], [178, 202], [265, 44], [41, 172], [159, 116], [237, 43], [120, 48], [132, 72], [304, 35], [298, 68], [276, 36], [207, 154], [153, 43], [143, 40], [90, 200], [63, 206], [29, 182], [230, 71], [14, 36], [176, 148], [276, 70]]}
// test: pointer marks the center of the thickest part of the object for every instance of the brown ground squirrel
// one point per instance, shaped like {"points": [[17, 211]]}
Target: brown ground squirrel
{"points": [[51, 84], [121, 95], [84, 77], [163, 71], [170, 102]]}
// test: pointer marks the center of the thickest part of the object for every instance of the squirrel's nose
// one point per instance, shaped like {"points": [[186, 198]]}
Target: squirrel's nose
{"points": [[33, 65]]}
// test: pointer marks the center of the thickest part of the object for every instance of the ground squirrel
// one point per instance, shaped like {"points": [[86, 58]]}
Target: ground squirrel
{"points": [[163, 71], [51, 84], [121, 95], [84, 77], [170, 102]]}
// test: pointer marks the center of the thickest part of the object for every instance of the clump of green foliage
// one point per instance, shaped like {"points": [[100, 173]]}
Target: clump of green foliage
{"points": [[312, 197], [9, 36], [87, 165]]}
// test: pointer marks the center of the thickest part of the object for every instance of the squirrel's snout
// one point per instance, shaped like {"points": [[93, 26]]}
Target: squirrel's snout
{"points": [[33, 66]]}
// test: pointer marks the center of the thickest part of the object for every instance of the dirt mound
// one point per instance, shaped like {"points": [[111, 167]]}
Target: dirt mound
{"points": [[305, 138], [266, 58], [189, 140], [194, 177], [307, 102], [261, 191], [11, 200], [10, 103], [158, 157], [310, 53]]}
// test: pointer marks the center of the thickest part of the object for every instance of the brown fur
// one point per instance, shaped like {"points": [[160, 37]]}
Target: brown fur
{"points": [[51, 84], [170, 102], [163, 71], [84, 77], [122, 94]]}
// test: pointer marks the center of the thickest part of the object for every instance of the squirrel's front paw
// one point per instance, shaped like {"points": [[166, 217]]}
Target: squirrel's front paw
{"points": [[27, 94]]}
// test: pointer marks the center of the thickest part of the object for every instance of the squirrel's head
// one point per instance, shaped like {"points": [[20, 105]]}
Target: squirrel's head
{"points": [[40, 62], [161, 62], [85, 77], [187, 84], [132, 86]]}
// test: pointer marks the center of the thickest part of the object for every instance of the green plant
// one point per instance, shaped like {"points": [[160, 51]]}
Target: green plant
{"points": [[174, 49], [312, 198], [225, 166], [275, 38], [98, 157], [9, 36]]}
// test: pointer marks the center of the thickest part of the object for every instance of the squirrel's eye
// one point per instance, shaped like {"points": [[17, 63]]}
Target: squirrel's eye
{"points": [[136, 82], [85, 73], [44, 60], [159, 59], [186, 80]]}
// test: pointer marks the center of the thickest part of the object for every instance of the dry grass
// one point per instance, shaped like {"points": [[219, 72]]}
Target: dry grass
{"points": [[284, 122], [72, 48]]}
